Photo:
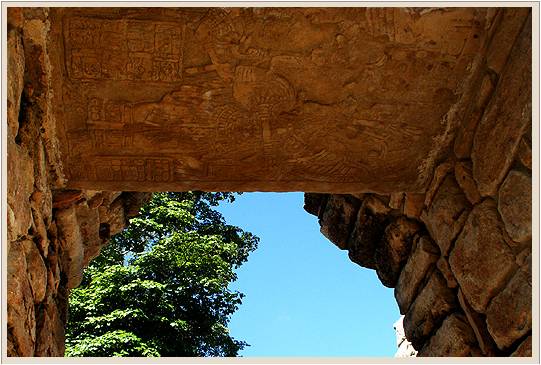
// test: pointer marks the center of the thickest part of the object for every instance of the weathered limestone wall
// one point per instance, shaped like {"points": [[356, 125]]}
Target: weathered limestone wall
{"points": [[459, 255], [52, 233]]}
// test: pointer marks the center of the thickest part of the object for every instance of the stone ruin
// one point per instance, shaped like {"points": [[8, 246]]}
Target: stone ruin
{"points": [[411, 129]]}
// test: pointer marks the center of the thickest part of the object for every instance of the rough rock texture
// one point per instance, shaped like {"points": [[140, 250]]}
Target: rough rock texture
{"points": [[469, 292], [338, 218], [515, 205], [463, 175], [433, 165], [433, 303], [477, 323], [445, 217], [282, 95], [506, 118], [454, 338], [525, 348], [367, 233], [481, 260], [445, 269], [509, 315], [393, 250], [421, 260], [52, 232]]}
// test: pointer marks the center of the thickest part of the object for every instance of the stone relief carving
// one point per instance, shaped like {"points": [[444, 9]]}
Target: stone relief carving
{"points": [[306, 96], [102, 49]]}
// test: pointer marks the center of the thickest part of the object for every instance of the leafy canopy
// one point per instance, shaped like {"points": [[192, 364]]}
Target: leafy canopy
{"points": [[160, 288]]}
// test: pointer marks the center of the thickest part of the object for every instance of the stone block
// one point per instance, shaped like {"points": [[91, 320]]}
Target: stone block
{"points": [[506, 118], [515, 205], [338, 219], [454, 338], [63, 199], [464, 135], [21, 322], [36, 270], [113, 215], [464, 138], [509, 315], [413, 205], [313, 202], [505, 37], [478, 324], [50, 331], [15, 81], [439, 174], [524, 153], [15, 17], [89, 227], [376, 205], [481, 260], [20, 173], [393, 250], [39, 227], [366, 235], [524, 349], [95, 201], [413, 274], [432, 305], [396, 200], [445, 217], [463, 175], [445, 270], [72, 245]]}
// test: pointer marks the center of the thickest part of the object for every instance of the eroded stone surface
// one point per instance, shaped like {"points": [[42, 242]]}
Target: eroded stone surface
{"points": [[347, 90], [507, 117], [525, 348], [512, 22], [15, 80], [481, 260], [286, 98], [478, 324], [509, 315], [524, 153], [20, 187], [463, 175], [419, 263], [431, 306], [20, 304], [440, 172], [393, 250], [445, 217], [35, 266], [413, 205], [366, 235], [453, 339], [445, 270], [515, 205]]}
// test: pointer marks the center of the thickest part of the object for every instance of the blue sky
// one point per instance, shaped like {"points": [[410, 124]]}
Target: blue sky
{"points": [[303, 295]]}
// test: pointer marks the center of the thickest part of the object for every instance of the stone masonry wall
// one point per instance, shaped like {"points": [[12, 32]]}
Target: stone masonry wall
{"points": [[52, 233], [458, 255]]}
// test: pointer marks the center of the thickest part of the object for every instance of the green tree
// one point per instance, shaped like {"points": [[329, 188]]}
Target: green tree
{"points": [[160, 288]]}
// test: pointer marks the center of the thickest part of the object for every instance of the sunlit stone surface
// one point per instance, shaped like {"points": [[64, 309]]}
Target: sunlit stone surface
{"points": [[280, 99]]}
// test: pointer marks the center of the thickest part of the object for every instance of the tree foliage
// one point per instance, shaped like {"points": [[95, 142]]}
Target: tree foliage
{"points": [[160, 288]]}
